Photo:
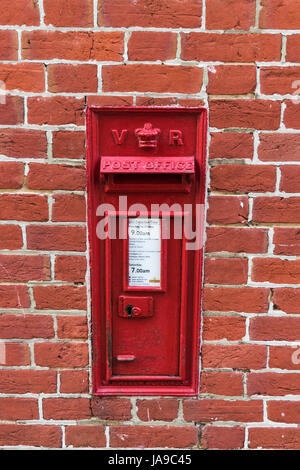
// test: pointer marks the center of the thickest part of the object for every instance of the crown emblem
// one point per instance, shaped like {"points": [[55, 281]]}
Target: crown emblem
{"points": [[147, 136]]}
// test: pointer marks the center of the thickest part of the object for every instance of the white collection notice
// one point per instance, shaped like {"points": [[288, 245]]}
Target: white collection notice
{"points": [[144, 252]]}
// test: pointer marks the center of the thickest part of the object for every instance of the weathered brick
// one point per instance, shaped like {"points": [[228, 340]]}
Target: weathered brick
{"points": [[227, 210], [86, 436], [150, 45], [231, 145], [222, 438], [230, 47], [232, 14], [210, 410], [238, 299], [155, 78], [231, 79], [73, 45], [23, 143], [254, 114], [231, 328], [153, 436], [241, 356], [65, 355], [60, 297], [243, 178], [118, 409], [69, 13], [67, 78], [56, 237], [11, 175], [164, 14]]}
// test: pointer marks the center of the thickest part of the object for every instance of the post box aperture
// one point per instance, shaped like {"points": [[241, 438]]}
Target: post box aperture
{"points": [[146, 192]]}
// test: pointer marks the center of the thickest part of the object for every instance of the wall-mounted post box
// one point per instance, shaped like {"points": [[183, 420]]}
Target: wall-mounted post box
{"points": [[146, 189]]}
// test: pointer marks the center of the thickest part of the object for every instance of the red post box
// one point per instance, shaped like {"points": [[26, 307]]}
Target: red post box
{"points": [[146, 190]]}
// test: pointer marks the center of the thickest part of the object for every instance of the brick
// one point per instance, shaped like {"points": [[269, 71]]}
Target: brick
{"points": [[231, 145], [284, 357], [26, 326], [85, 436], [236, 240], [56, 237], [223, 327], [190, 102], [150, 101], [227, 210], [276, 270], [23, 76], [210, 410], [243, 178], [293, 48], [233, 14], [117, 409], [290, 179], [14, 354], [44, 176], [27, 381], [278, 80], [23, 143], [272, 383], [68, 78], [287, 300], [65, 355], [280, 14], [8, 45], [20, 12], [106, 100], [14, 296], [73, 45], [286, 241], [13, 409], [237, 299], [12, 111], [64, 13], [226, 271], [11, 237], [291, 117], [274, 438], [70, 268], [163, 14], [68, 208], [155, 78], [222, 438], [68, 144], [72, 327], [272, 329], [254, 114], [30, 435], [28, 207], [276, 210], [11, 175], [230, 47], [157, 409], [276, 147], [56, 110], [140, 437], [240, 356], [60, 297], [222, 383], [66, 408], [231, 79], [74, 381], [19, 268], [150, 45]]}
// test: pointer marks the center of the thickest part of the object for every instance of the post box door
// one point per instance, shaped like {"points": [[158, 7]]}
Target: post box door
{"points": [[146, 282]]}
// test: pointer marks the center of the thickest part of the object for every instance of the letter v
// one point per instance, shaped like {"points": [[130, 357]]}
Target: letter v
{"points": [[119, 137]]}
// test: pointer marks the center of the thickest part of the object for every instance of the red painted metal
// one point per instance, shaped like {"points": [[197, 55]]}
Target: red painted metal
{"points": [[145, 336]]}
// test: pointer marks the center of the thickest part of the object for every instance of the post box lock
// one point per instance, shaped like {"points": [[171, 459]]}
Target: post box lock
{"points": [[135, 307], [146, 195]]}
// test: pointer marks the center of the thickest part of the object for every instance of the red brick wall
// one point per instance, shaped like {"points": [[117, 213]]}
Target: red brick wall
{"points": [[241, 60]]}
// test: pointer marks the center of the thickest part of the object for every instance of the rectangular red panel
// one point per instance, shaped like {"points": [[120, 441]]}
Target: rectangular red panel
{"points": [[146, 188]]}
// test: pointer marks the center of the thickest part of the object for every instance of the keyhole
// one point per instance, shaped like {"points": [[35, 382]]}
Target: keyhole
{"points": [[129, 310]]}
